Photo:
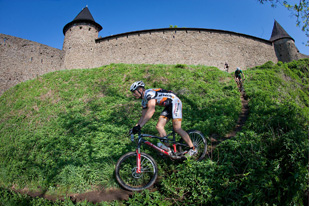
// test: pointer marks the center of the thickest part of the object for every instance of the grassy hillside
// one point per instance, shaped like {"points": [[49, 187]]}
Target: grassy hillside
{"points": [[267, 163], [63, 133], [65, 130]]}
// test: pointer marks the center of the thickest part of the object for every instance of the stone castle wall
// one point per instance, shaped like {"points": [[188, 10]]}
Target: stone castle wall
{"points": [[184, 46], [22, 60]]}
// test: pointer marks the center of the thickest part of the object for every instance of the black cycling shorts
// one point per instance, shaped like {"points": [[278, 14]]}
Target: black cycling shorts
{"points": [[173, 111]]}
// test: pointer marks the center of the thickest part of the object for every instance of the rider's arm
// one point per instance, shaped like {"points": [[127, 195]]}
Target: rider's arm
{"points": [[147, 113], [142, 117]]}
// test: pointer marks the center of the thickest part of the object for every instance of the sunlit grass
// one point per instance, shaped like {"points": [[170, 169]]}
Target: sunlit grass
{"points": [[63, 133]]}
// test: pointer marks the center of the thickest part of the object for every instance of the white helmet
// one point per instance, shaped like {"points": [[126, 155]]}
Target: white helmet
{"points": [[137, 84], [238, 69]]}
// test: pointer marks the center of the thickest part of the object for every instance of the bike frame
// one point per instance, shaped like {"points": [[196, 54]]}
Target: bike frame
{"points": [[143, 141], [239, 83]]}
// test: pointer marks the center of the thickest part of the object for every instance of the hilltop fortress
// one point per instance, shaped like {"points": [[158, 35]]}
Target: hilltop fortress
{"points": [[21, 59]]}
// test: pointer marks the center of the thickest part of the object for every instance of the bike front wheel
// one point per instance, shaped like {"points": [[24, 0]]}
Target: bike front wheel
{"points": [[126, 172], [199, 143]]}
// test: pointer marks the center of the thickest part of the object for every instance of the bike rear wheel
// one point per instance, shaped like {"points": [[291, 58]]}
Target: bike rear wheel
{"points": [[127, 176], [199, 143]]}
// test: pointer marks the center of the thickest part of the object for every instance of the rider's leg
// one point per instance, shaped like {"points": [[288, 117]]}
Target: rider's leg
{"points": [[161, 124], [240, 82], [181, 132], [177, 117]]}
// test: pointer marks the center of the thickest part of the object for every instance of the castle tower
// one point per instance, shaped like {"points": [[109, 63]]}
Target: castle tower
{"points": [[284, 44], [79, 40]]}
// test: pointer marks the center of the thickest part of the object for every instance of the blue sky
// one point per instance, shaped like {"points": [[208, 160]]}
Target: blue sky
{"points": [[43, 20]]}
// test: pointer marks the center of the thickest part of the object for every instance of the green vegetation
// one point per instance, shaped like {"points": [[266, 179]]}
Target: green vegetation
{"points": [[63, 133], [267, 163]]}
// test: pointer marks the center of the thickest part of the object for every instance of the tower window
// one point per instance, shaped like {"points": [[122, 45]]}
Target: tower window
{"points": [[89, 29], [80, 27]]}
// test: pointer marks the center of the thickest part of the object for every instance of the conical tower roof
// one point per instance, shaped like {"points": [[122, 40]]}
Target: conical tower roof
{"points": [[83, 16], [279, 33]]}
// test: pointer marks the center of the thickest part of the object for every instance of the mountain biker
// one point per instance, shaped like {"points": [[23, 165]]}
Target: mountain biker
{"points": [[172, 110], [238, 74], [226, 67]]}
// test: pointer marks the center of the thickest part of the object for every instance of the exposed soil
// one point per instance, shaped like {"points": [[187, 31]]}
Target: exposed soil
{"points": [[92, 196], [120, 194], [216, 139], [242, 117]]}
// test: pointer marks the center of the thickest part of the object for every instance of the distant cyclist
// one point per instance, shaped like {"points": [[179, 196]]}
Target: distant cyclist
{"points": [[172, 110], [238, 74], [226, 67]]}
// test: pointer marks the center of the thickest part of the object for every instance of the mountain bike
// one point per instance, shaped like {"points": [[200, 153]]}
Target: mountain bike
{"points": [[136, 171], [240, 84]]}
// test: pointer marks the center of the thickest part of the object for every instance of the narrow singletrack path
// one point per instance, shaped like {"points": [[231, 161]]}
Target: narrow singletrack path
{"points": [[242, 118], [91, 196]]}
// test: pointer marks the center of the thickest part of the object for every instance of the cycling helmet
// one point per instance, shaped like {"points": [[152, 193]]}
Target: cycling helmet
{"points": [[137, 84], [237, 69]]}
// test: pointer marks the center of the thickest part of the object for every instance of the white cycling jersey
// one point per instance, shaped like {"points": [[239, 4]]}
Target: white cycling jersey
{"points": [[167, 99]]}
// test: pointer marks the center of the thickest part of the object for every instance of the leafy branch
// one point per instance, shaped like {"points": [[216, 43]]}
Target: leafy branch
{"points": [[299, 10]]}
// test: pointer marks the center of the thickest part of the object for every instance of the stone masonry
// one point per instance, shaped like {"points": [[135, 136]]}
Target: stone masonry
{"points": [[22, 60], [184, 46]]}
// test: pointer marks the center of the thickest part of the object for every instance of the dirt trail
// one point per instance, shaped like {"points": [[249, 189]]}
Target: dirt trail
{"points": [[91, 196], [215, 140], [120, 194], [242, 117]]}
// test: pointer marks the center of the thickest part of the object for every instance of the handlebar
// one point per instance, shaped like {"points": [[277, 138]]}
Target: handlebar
{"points": [[132, 135]]}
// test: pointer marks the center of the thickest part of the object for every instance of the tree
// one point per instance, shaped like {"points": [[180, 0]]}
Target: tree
{"points": [[300, 10]]}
